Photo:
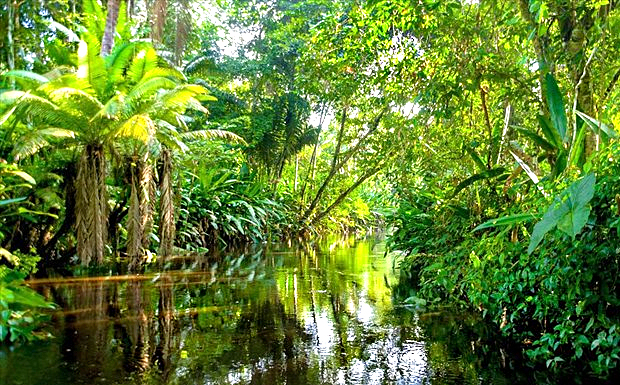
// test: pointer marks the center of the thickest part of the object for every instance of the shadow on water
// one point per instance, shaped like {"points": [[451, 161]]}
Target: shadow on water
{"points": [[302, 314]]}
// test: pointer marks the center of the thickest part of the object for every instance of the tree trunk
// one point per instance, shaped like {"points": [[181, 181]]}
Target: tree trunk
{"points": [[183, 25], [146, 194], [134, 228], [333, 167], [107, 42], [91, 205], [10, 51], [140, 215], [338, 164], [166, 221], [160, 8], [345, 194]]}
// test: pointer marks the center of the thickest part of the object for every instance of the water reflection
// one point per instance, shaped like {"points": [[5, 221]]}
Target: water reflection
{"points": [[296, 315]]}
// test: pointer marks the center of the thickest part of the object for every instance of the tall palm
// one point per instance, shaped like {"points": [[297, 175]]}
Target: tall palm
{"points": [[124, 96]]}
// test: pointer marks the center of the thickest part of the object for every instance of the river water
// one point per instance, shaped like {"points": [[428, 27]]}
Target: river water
{"points": [[302, 314]]}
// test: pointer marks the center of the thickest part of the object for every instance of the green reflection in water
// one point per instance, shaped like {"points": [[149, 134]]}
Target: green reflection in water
{"points": [[305, 314]]}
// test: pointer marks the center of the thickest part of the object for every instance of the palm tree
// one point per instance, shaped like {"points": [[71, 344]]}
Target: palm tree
{"points": [[130, 95]]}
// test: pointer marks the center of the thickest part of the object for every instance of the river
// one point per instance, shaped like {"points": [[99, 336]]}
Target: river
{"points": [[318, 313]]}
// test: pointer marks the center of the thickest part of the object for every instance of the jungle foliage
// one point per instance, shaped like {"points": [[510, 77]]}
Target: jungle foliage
{"points": [[482, 132]]}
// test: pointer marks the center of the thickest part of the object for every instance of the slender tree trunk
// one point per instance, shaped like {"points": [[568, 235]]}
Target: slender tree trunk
{"points": [[345, 194], [310, 175], [91, 205], [487, 120], [333, 168], [296, 172], [10, 51], [166, 222], [338, 164], [107, 42]]}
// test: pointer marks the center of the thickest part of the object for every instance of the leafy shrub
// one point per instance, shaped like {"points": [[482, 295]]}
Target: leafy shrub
{"points": [[559, 301], [19, 305]]}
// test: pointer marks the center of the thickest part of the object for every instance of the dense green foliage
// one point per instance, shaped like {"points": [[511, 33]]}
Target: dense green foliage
{"points": [[133, 131]]}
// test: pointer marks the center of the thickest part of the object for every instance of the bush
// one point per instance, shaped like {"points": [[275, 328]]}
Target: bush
{"points": [[560, 303]]}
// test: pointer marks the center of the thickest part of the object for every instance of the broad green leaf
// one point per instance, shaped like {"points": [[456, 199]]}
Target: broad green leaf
{"points": [[23, 295], [549, 132], [556, 107], [548, 222], [27, 76], [474, 155], [569, 211], [577, 148], [505, 221], [542, 142], [4, 253], [25, 176], [579, 195], [596, 126]]}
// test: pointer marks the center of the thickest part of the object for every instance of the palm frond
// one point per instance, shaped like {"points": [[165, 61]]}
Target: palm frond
{"points": [[6, 115]]}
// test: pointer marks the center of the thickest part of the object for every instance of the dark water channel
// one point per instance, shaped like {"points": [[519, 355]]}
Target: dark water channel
{"points": [[321, 314]]}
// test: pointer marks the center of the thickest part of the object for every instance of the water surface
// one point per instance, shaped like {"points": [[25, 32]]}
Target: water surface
{"points": [[304, 314]]}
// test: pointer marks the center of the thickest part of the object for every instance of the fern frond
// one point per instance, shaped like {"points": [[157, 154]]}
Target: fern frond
{"points": [[147, 88], [170, 73], [26, 78], [33, 108], [118, 61], [10, 97], [227, 136], [91, 66], [143, 62], [202, 65], [168, 135], [76, 101], [179, 98], [67, 81], [112, 110], [33, 141], [94, 17], [140, 127]]}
